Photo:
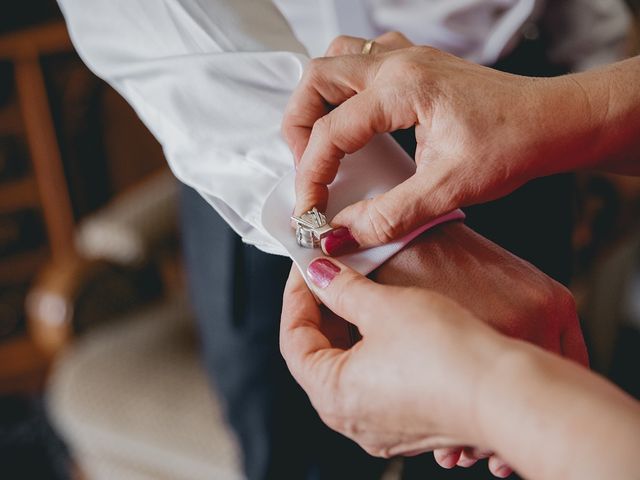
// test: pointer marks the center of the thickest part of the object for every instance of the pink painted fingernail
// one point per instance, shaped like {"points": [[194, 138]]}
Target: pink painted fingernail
{"points": [[339, 242], [321, 271]]}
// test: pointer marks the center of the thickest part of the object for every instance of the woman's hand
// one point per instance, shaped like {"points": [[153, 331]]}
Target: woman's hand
{"points": [[427, 374], [411, 384], [481, 133], [347, 45]]}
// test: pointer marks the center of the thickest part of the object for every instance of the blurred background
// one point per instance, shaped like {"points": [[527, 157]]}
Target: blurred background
{"points": [[92, 298]]}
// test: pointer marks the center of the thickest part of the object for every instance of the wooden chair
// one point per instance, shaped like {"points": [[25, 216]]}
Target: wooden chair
{"points": [[22, 363]]}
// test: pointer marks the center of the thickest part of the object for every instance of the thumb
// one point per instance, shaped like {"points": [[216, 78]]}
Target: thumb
{"points": [[347, 293], [388, 216]]}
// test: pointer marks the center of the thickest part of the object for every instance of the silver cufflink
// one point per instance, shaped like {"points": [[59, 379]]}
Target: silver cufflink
{"points": [[311, 227]]}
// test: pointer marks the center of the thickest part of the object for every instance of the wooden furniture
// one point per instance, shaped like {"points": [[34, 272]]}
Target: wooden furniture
{"points": [[23, 365]]}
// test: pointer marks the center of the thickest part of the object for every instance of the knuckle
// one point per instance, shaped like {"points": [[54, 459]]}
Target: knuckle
{"points": [[394, 37], [321, 127], [340, 44], [384, 452], [553, 300], [378, 451], [314, 70], [333, 413], [564, 301], [287, 130], [371, 449], [427, 50], [330, 418]]}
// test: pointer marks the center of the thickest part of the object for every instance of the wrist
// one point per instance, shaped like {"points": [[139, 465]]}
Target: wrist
{"points": [[616, 107], [584, 121], [470, 382], [565, 125], [499, 394]]}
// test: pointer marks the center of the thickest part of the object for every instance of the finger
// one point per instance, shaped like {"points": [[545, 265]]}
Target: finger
{"points": [[349, 294], [325, 82], [470, 456], [306, 350], [393, 214], [573, 345], [344, 130], [447, 457], [392, 41], [499, 468], [347, 45]]}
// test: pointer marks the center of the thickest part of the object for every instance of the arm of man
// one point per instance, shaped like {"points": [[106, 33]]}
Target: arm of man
{"points": [[210, 80]]}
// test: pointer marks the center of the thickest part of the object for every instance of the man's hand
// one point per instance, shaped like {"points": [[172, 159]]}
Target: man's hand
{"points": [[481, 133], [499, 288]]}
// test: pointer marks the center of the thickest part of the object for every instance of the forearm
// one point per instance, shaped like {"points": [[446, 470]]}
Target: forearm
{"points": [[550, 418]]}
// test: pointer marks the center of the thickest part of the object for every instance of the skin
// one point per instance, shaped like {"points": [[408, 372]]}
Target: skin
{"points": [[439, 259], [481, 133], [427, 374], [465, 154], [536, 309]]}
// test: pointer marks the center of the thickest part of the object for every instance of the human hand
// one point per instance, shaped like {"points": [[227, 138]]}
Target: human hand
{"points": [[481, 133], [504, 291], [411, 384], [347, 45], [427, 374]]}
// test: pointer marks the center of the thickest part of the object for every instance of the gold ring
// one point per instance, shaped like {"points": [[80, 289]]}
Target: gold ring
{"points": [[367, 47]]}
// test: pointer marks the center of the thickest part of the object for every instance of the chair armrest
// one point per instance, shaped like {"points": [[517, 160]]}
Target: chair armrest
{"points": [[130, 226], [69, 297]]}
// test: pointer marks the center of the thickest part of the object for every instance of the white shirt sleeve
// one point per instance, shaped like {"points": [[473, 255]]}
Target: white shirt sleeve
{"points": [[210, 80]]}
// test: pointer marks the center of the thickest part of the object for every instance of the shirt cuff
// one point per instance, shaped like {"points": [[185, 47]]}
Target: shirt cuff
{"points": [[373, 170]]}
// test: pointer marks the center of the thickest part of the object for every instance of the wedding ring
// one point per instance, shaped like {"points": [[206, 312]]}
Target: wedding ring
{"points": [[367, 47]]}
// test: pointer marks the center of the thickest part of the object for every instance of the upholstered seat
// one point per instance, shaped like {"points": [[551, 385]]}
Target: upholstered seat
{"points": [[132, 400]]}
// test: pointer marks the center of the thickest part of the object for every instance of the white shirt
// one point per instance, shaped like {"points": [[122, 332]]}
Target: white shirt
{"points": [[211, 78]]}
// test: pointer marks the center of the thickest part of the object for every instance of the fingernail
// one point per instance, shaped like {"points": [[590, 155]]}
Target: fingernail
{"points": [[504, 471], [321, 271], [339, 242]]}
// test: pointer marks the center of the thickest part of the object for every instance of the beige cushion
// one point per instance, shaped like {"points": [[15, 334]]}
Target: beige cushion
{"points": [[133, 402]]}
